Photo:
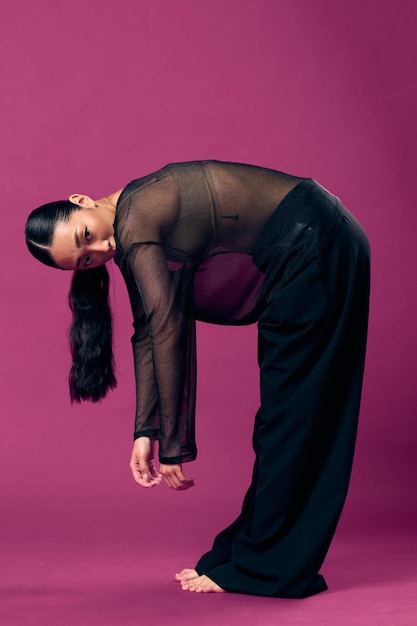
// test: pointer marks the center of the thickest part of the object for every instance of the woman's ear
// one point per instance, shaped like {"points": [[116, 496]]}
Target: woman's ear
{"points": [[85, 201]]}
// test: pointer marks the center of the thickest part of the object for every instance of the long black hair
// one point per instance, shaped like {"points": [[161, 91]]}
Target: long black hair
{"points": [[90, 334]]}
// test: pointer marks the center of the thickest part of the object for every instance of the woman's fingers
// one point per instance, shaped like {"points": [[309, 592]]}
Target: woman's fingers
{"points": [[153, 471], [142, 465], [145, 474], [175, 478], [144, 477]]}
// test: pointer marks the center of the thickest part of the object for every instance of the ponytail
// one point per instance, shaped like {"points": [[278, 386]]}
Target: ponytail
{"points": [[91, 374]]}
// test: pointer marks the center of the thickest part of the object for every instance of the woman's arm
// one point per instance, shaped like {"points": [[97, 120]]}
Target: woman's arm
{"points": [[168, 338], [165, 382], [146, 416]]}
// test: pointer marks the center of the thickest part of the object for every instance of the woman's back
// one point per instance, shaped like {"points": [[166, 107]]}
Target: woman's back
{"points": [[192, 207]]}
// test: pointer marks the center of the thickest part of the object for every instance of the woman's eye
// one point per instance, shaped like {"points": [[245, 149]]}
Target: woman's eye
{"points": [[87, 261], [87, 234]]}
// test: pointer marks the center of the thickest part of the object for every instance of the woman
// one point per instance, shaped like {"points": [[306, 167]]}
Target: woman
{"points": [[230, 244]]}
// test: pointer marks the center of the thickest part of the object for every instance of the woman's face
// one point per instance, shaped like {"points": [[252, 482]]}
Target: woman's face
{"points": [[86, 240]]}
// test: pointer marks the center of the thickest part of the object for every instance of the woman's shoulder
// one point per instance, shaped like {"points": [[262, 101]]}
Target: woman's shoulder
{"points": [[141, 183], [147, 208]]}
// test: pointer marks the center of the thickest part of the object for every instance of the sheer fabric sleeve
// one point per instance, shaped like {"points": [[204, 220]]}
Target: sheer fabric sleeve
{"points": [[146, 416], [164, 356]]}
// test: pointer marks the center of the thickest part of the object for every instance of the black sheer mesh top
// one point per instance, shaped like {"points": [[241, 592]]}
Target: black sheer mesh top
{"points": [[206, 241]]}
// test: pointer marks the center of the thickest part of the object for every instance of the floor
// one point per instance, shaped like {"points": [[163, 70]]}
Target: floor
{"points": [[76, 564]]}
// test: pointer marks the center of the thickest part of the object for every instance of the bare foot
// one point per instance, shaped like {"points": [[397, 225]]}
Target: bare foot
{"points": [[201, 584], [186, 574]]}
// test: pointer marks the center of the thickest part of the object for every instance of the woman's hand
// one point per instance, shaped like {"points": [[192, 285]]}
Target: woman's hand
{"points": [[174, 477], [142, 463]]}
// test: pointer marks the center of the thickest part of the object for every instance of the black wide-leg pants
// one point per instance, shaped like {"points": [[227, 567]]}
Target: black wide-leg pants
{"points": [[312, 340]]}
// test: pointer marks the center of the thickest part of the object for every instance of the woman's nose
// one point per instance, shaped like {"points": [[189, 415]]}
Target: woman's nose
{"points": [[103, 245]]}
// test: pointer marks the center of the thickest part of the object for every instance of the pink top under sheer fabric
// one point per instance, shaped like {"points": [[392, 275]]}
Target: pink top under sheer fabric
{"points": [[206, 241]]}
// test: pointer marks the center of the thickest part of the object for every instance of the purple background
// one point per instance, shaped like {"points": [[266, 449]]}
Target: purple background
{"points": [[97, 92]]}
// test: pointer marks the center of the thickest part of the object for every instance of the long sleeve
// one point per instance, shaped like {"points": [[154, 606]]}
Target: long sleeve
{"points": [[164, 356], [146, 415]]}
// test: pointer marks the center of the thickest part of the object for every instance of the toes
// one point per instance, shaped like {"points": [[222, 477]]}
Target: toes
{"points": [[188, 584], [201, 584], [186, 574]]}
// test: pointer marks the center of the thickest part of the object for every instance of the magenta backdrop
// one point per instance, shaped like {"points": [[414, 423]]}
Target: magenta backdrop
{"points": [[97, 92]]}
